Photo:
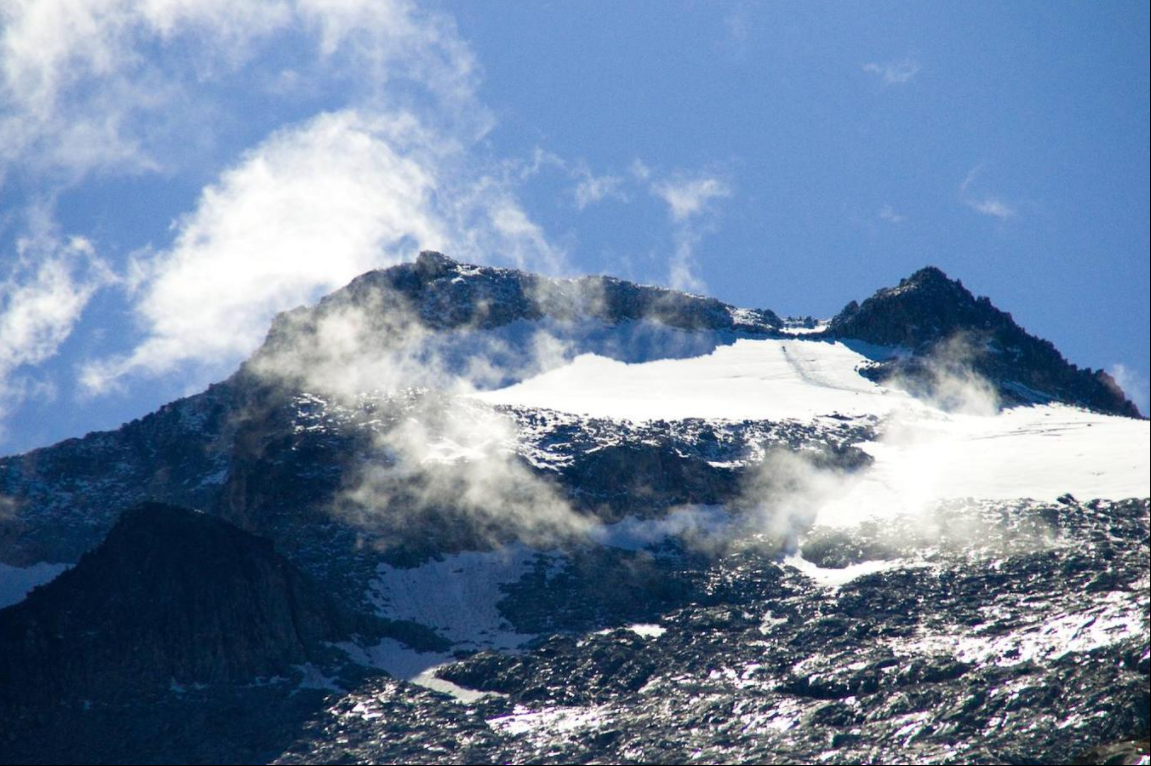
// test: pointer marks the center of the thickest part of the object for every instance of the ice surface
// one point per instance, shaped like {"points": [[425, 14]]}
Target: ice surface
{"points": [[407, 664], [1037, 452]]}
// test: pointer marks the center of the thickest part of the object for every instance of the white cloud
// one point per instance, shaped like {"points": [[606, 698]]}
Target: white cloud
{"points": [[887, 213], [41, 300], [996, 208], [898, 72], [682, 268], [306, 211], [688, 197], [981, 202], [73, 83], [1133, 383], [302, 214], [119, 86], [971, 177], [688, 201], [509, 234], [78, 94], [639, 170], [591, 188]]}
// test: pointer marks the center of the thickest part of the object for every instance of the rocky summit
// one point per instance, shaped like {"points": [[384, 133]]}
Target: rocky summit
{"points": [[461, 514]]}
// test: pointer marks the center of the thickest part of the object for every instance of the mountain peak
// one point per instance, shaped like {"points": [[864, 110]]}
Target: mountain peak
{"points": [[935, 316], [929, 276]]}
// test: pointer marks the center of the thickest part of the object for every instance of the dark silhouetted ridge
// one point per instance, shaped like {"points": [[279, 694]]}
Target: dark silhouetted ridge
{"points": [[171, 596]]}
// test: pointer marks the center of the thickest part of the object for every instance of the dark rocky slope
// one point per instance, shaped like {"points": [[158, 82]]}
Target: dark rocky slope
{"points": [[440, 293], [948, 329], [173, 597]]}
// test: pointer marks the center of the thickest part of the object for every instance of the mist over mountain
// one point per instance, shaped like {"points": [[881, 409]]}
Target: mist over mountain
{"points": [[472, 514]]}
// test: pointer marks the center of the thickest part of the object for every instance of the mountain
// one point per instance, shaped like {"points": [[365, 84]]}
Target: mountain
{"points": [[934, 316], [454, 512], [170, 597]]}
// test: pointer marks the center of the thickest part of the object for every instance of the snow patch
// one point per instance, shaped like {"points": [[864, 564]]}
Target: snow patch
{"points": [[835, 578], [456, 596], [646, 630], [750, 379], [406, 664]]}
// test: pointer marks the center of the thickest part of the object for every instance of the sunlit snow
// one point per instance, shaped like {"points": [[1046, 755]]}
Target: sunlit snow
{"points": [[924, 454]]}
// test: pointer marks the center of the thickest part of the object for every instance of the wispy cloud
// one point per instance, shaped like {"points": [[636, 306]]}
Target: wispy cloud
{"points": [[887, 213], [395, 167], [591, 188], [996, 208], [302, 214], [41, 299], [971, 177], [898, 72], [973, 196], [305, 211], [738, 30], [78, 94], [688, 197], [1133, 383], [689, 202]]}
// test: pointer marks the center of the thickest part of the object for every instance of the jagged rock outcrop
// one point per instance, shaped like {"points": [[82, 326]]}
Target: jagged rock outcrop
{"points": [[947, 327], [172, 597]]}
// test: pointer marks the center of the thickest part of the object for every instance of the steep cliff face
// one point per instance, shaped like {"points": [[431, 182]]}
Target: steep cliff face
{"points": [[942, 323], [172, 596]]}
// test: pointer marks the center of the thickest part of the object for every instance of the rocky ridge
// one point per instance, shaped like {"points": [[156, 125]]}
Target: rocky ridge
{"points": [[945, 327]]}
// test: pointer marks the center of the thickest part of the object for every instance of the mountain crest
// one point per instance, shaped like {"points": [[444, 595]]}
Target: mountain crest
{"points": [[932, 315], [439, 293]]}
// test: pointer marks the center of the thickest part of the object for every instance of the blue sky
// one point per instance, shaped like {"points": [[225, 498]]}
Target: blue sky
{"points": [[173, 173]]}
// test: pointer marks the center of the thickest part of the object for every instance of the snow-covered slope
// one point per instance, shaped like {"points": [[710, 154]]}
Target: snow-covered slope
{"points": [[749, 380], [924, 453]]}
